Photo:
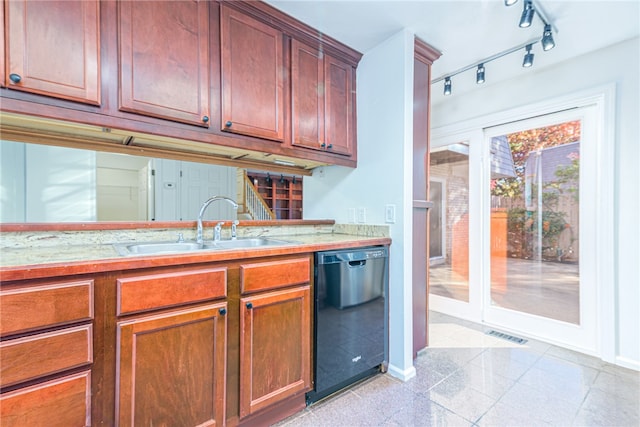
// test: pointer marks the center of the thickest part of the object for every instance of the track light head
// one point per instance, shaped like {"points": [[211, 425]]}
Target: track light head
{"points": [[527, 14], [480, 74], [447, 85], [547, 38], [528, 57], [510, 2]]}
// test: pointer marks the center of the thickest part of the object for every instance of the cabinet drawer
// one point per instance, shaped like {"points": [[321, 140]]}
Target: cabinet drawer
{"points": [[63, 402], [31, 357], [144, 293], [35, 307], [274, 274]]}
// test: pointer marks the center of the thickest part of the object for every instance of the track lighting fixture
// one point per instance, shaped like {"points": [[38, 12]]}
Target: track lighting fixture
{"points": [[527, 14], [294, 180], [480, 74], [281, 179], [447, 86], [531, 8], [547, 38], [268, 178], [528, 57]]}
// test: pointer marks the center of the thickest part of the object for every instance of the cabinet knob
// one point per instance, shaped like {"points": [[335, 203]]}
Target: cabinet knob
{"points": [[249, 305], [222, 311], [323, 145], [205, 119], [330, 147], [15, 78], [228, 124]]}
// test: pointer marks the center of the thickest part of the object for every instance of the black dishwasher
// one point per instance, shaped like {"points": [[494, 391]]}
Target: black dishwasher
{"points": [[350, 326]]}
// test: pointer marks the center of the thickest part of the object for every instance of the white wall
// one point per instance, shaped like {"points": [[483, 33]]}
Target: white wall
{"points": [[42, 183], [383, 176], [618, 64]]}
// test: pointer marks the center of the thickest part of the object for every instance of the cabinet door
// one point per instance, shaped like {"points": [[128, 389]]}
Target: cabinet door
{"points": [[53, 48], [275, 347], [172, 368], [164, 59], [252, 76], [340, 106], [307, 96]]}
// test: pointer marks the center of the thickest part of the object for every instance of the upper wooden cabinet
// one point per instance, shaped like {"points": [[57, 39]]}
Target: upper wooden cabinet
{"points": [[307, 96], [322, 99], [252, 76], [340, 115], [53, 48], [164, 59]]}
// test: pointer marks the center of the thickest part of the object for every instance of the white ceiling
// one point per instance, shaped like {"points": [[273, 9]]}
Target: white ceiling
{"points": [[471, 30]]}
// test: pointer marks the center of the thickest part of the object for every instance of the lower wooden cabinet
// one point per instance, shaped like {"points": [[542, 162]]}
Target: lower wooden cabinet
{"points": [[171, 368], [46, 353], [275, 352], [63, 402]]}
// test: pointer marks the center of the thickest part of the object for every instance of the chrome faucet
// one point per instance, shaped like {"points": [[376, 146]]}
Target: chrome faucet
{"points": [[199, 239]]}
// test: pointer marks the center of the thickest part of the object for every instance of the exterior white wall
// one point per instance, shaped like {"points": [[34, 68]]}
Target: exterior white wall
{"points": [[383, 176], [620, 65]]}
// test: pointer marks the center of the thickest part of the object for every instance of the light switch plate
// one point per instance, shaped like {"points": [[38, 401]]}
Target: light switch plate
{"points": [[352, 215], [390, 214], [362, 215]]}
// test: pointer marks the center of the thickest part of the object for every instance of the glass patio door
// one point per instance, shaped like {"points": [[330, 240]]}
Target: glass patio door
{"points": [[538, 203]]}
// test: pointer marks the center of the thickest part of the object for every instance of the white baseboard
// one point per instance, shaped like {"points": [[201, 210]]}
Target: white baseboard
{"points": [[628, 363], [403, 375]]}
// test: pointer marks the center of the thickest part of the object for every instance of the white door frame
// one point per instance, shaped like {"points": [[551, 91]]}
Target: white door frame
{"points": [[603, 98]]}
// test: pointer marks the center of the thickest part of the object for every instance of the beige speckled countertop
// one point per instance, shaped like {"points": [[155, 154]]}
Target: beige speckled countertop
{"points": [[42, 253]]}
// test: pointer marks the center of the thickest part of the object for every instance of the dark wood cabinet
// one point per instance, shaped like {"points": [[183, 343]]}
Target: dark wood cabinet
{"points": [[340, 115], [53, 48], [170, 357], [172, 368], [253, 76], [164, 59], [307, 96], [210, 81], [323, 102], [46, 353], [61, 402], [275, 333]]}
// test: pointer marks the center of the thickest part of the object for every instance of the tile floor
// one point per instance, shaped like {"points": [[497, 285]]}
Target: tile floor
{"points": [[468, 378]]}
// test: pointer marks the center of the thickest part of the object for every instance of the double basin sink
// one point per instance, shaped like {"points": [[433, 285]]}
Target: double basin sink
{"points": [[151, 248]]}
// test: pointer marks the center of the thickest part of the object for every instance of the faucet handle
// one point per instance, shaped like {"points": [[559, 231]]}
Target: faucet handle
{"points": [[219, 225], [233, 229]]}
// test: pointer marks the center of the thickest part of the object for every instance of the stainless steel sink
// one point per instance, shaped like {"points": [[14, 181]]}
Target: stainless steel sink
{"points": [[128, 249], [151, 248], [247, 242]]}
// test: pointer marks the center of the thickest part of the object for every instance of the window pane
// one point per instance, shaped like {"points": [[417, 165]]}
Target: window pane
{"points": [[449, 222], [534, 221]]}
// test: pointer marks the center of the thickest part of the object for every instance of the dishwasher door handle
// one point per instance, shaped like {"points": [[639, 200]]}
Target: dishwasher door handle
{"points": [[360, 263]]}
